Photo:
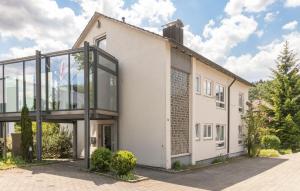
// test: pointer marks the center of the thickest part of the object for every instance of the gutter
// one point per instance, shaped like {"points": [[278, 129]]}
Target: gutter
{"points": [[228, 117]]}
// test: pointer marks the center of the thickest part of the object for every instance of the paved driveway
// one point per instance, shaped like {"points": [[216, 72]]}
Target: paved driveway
{"points": [[245, 174]]}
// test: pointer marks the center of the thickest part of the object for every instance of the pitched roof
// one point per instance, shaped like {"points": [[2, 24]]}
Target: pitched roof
{"points": [[172, 42]]}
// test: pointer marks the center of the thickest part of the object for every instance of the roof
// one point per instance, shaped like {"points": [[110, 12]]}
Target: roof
{"points": [[172, 42]]}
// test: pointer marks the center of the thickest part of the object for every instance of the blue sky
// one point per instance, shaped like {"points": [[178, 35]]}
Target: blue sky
{"points": [[243, 36]]}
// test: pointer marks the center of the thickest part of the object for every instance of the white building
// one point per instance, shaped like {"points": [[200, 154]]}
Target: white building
{"points": [[174, 104]]}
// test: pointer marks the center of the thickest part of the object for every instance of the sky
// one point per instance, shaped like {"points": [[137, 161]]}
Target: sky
{"points": [[244, 36]]}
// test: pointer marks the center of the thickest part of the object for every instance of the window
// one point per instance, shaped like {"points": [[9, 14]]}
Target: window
{"points": [[101, 43], [207, 131], [208, 87], [220, 138], [220, 96], [198, 84], [240, 134], [241, 102], [197, 131]]}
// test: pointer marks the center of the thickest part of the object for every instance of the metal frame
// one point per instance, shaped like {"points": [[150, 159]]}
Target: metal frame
{"points": [[68, 115]]}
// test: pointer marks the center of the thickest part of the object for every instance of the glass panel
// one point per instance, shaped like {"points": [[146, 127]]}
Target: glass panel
{"points": [[92, 73], [106, 90], [101, 43], [30, 84], [1, 96], [13, 86], [43, 84], [58, 83], [77, 80], [1, 71], [106, 63]]}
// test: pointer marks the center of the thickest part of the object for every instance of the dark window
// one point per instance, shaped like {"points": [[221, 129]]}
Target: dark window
{"points": [[101, 43]]}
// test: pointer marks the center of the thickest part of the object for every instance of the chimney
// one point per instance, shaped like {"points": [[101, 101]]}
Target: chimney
{"points": [[173, 30]]}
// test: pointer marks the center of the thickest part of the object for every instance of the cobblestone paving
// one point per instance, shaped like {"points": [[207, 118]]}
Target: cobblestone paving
{"points": [[245, 174]]}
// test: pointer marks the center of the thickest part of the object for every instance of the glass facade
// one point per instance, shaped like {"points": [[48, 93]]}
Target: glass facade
{"points": [[13, 87], [62, 83]]}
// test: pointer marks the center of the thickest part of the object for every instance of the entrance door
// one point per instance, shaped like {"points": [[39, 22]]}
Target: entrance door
{"points": [[107, 136]]}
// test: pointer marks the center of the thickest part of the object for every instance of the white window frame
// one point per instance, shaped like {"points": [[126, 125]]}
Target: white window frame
{"points": [[198, 84], [101, 38], [218, 99], [205, 129], [241, 107], [206, 81], [220, 143], [240, 134], [197, 131]]}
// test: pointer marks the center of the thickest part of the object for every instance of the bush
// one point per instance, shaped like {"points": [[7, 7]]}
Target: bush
{"points": [[101, 159], [270, 142], [268, 153], [176, 165], [123, 162], [285, 151]]}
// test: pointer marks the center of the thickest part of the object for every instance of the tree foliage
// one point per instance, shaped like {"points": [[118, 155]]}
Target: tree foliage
{"points": [[284, 99], [26, 133]]}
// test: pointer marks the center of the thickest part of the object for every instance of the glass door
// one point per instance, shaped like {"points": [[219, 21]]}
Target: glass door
{"points": [[107, 137]]}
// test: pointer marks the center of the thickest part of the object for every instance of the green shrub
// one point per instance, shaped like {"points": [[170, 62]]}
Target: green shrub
{"points": [[176, 165], [270, 142], [123, 162], [268, 153], [101, 159], [219, 159], [285, 151]]}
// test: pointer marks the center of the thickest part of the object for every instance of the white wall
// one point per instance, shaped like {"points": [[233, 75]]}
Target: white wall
{"points": [[143, 75], [205, 111]]}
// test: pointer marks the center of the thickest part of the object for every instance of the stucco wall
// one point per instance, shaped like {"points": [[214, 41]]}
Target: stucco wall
{"points": [[205, 111], [143, 62]]}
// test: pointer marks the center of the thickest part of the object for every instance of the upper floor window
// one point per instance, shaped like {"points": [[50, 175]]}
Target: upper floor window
{"points": [[207, 134], [220, 96], [220, 138], [198, 84], [241, 102], [101, 43], [197, 131], [208, 87]]}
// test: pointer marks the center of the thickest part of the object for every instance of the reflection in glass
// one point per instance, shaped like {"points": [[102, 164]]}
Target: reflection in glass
{"points": [[58, 83], [106, 63], [30, 84], [106, 90], [43, 84], [13, 86], [77, 80], [1, 95]]}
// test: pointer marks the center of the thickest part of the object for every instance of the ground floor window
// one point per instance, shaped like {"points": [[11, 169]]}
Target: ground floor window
{"points": [[220, 137], [197, 131], [240, 134], [207, 131]]}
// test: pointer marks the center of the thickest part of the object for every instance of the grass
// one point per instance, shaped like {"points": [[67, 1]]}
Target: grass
{"points": [[268, 153], [128, 177], [14, 162], [219, 159]]}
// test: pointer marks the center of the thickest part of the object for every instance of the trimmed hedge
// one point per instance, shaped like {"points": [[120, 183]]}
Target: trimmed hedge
{"points": [[123, 162], [270, 142], [101, 159]]}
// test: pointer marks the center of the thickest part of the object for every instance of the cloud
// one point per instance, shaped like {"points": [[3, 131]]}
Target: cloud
{"points": [[236, 7], [45, 22], [259, 33], [149, 11], [257, 66], [218, 40], [292, 3], [270, 16], [290, 25]]}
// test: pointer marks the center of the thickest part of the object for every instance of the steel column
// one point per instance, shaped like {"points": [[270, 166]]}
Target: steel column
{"points": [[38, 107], [86, 106], [75, 140], [4, 138]]}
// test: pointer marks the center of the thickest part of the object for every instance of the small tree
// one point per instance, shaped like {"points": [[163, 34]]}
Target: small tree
{"points": [[26, 133], [255, 128]]}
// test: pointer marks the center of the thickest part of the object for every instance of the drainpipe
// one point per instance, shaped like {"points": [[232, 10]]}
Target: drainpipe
{"points": [[228, 117]]}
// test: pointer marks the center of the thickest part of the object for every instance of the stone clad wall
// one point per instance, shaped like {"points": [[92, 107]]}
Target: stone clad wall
{"points": [[179, 112]]}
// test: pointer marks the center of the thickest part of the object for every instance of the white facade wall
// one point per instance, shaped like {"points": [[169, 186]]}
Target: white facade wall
{"points": [[205, 111], [144, 62]]}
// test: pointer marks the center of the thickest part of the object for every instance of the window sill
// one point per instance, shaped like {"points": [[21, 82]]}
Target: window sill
{"points": [[207, 138]]}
